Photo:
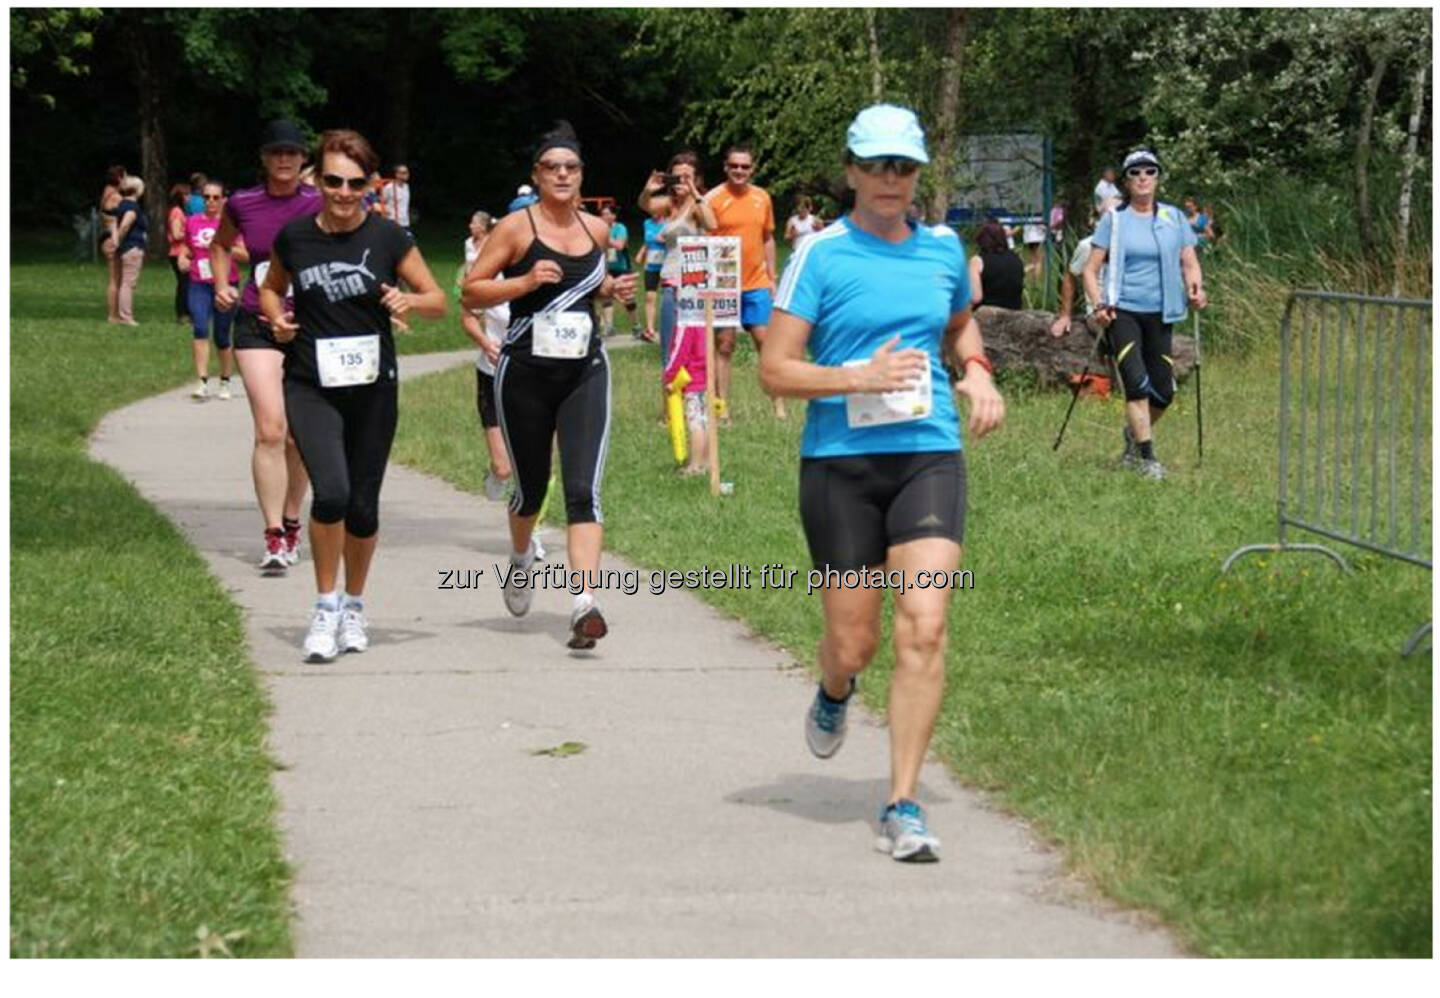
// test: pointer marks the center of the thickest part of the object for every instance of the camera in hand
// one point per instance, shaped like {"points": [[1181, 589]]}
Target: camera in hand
{"points": [[672, 183]]}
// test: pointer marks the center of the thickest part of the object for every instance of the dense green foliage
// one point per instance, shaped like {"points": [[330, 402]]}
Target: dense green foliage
{"points": [[1238, 101]]}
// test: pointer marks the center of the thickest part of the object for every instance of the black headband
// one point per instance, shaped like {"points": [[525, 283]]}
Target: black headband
{"points": [[556, 143]]}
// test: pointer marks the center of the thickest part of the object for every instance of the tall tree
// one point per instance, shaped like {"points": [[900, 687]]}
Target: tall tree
{"points": [[1402, 239], [1380, 56], [945, 133], [149, 43]]}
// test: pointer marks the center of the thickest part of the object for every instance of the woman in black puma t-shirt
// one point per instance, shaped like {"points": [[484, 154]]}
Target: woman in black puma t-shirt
{"points": [[340, 378]]}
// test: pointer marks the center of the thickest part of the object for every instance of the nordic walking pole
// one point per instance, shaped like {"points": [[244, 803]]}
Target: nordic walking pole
{"points": [[1199, 407], [1075, 394]]}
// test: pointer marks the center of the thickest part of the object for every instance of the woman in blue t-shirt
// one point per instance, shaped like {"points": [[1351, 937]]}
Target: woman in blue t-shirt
{"points": [[1152, 275], [882, 305]]}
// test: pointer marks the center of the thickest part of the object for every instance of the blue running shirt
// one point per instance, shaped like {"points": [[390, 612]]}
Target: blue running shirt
{"points": [[858, 291]]}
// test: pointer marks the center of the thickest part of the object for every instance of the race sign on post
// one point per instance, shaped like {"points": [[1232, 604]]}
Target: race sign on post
{"points": [[709, 264]]}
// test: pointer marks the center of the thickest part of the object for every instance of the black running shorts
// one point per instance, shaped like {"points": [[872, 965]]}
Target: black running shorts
{"points": [[854, 509], [250, 333]]}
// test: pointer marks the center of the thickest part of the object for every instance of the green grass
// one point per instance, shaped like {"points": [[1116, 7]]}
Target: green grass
{"points": [[140, 799], [1245, 755]]}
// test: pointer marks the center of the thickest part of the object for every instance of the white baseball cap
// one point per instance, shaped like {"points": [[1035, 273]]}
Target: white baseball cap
{"points": [[887, 130]]}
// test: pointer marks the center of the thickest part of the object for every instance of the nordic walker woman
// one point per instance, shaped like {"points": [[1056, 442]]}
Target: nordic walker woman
{"points": [[882, 305], [553, 375], [345, 265], [195, 262], [1152, 275], [257, 213]]}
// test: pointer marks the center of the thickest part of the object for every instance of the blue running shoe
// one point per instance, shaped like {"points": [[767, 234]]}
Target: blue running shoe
{"points": [[825, 722], [904, 836]]}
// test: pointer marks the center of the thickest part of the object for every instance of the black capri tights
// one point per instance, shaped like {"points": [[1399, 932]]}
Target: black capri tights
{"points": [[1141, 345], [537, 398], [344, 437]]}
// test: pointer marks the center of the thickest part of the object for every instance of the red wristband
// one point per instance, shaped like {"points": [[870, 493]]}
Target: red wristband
{"points": [[980, 359]]}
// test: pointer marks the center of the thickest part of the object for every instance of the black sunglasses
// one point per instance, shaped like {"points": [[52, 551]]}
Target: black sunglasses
{"points": [[354, 183], [1142, 171], [899, 165]]}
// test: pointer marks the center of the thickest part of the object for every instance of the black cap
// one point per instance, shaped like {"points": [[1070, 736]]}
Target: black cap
{"points": [[283, 135]]}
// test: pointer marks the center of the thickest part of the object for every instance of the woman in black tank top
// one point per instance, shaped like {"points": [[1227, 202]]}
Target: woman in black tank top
{"points": [[580, 277], [997, 274], [553, 378]]}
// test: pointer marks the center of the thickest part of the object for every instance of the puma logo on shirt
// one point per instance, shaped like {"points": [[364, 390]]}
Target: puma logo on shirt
{"points": [[338, 280]]}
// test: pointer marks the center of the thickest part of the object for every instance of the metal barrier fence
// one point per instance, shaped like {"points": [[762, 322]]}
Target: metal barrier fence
{"points": [[1355, 428]]}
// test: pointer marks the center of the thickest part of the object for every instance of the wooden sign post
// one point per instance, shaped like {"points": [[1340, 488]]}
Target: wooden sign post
{"points": [[712, 437]]}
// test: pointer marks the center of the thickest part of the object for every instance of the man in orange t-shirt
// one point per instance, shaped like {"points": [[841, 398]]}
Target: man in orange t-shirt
{"points": [[744, 210]]}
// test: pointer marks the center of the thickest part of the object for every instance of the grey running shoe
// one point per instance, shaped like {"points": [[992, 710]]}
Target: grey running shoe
{"points": [[1151, 469], [904, 835], [825, 722], [494, 486], [1130, 458], [353, 636], [517, 598], [587, 625], [320, 644]]}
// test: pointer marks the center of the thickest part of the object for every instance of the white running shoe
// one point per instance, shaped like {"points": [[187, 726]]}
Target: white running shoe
{"points": [[224, 392], [587, 624], [352, 630], [274, 559], [538, 546], [292, 546], [517, 598], [320, 644], [201, 392]]}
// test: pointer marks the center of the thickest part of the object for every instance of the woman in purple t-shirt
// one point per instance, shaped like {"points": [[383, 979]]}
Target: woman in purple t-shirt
{"points": [[257, 214]]}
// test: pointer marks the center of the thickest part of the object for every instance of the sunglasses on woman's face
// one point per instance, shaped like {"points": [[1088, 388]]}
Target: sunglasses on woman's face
{"points": [[899, 166], [354, 183], [214, 197], [555, 167], [1141, 171]]}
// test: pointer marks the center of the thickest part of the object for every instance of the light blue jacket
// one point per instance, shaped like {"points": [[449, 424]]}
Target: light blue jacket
{"points": [[1173, 233]]}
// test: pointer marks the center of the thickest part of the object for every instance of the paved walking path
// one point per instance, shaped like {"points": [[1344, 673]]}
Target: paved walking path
{"points": [[420, 821]]}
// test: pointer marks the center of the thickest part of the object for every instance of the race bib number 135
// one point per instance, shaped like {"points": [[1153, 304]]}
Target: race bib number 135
{"points": [[343, 361]]}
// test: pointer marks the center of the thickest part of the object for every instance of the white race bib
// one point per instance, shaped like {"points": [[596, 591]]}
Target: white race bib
{"points": [[202, 266], [348, 360], [866, 409], [261, 269], [561, 334]]}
